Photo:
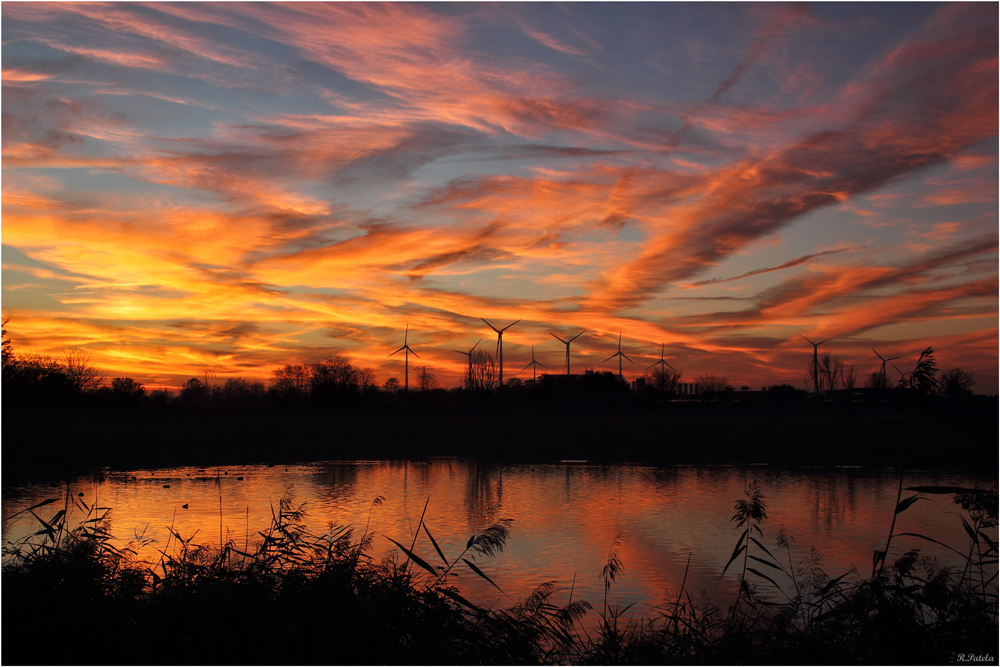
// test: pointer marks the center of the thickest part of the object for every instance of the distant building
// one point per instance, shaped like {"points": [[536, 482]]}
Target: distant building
{"points": [[688, 388]]}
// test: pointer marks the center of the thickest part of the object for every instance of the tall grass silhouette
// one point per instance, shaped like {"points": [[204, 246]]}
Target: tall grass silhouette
{"points": [[301, 597]]}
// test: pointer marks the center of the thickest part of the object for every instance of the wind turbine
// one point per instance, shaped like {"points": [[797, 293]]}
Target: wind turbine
{"points": [[566, 343], [902, 375], [500, 343], [815, 377], [533, 364], [406, 355], [661, 362], [469, 354], [661, 380], [619, 354], [885, 381]]}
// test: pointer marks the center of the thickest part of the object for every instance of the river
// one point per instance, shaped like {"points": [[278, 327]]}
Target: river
{"points": [[568, 517]]}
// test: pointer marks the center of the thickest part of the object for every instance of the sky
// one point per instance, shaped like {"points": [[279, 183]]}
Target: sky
{"points": [[227, 188]]}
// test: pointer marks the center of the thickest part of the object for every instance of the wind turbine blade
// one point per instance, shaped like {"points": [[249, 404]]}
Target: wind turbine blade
{"points": [[893, 358], [413, 353], [577, 336], [540, 364], [476, 345], [611, 357], [823, 341], [510, 325], [626, 356], [460, 352], [526, 366], [490, 325], [877, 354], [558, 339], [399, 350], [808, 341]]}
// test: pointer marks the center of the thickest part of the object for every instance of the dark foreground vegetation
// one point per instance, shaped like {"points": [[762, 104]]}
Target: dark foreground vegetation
{"points": [[70, 597]]}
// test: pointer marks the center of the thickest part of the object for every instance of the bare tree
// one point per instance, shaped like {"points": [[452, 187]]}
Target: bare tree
{"points": [[662, 379], [482, 373], [957, 383], [831, 372], [334, 378], [391, 385], [848, 378], [82, 373], [426, 380], [367, 380], [8, 352], [293, 379], [712, 383], [876, 381]]}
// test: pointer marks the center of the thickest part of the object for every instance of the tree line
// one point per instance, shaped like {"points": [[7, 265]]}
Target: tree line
{"points": [[338, 380]]}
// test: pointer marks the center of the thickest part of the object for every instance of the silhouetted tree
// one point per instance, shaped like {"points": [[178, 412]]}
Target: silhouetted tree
{"points": [[333, 379], [956, 383], [195, 393], [34, 378], [159, 397], [876, 381], [849, 378], [8, 354], [391, 385], [81, 372], [127, 390], [367, 381], [482, 372], [426, 380], [662, 380], [711, 383], [831, 372], [291, 382], [239, 392]]}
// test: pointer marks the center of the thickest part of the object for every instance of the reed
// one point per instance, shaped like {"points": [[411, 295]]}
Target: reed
{"points": [[299, 597]]}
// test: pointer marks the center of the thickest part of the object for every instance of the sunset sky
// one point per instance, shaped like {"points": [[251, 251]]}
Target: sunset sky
{"points": [[228, 188]]}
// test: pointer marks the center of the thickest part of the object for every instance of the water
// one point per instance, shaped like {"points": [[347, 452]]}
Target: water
{"points": [[566, 517]]}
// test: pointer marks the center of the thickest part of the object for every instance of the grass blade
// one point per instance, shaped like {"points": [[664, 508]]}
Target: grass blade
{"points": [[482, 574], [944, 489], [768, 563], [412, 556], [436, 547], [458, 598], [761, 574], [905, 503]]}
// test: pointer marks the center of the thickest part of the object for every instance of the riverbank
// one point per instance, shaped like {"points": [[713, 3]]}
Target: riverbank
{"points": [[45, 444]]}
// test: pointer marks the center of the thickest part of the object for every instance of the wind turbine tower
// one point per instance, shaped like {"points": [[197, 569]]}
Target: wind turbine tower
{"points": [[500, 343], [406, 355], [566, 343], [815, 360], [619, 354], [533, 364]]}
